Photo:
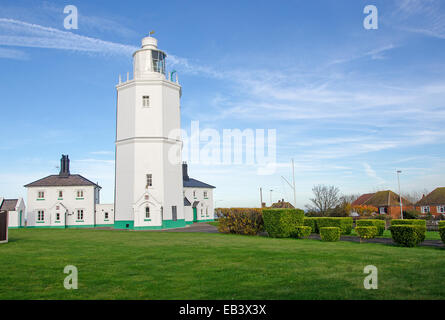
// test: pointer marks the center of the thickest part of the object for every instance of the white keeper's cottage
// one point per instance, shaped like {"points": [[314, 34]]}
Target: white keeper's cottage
{"points": [[65, 200], [153, 190]]}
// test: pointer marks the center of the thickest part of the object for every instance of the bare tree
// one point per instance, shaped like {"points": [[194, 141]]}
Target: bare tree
{"points": [[415, 195], [326, 198]]}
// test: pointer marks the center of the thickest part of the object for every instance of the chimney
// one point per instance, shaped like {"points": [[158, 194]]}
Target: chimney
{"points": [[185, 175], [64, 166]]}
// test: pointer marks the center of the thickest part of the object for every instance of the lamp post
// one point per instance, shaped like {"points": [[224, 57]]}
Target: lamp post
{"points": [[271, 197], [400, 194]]}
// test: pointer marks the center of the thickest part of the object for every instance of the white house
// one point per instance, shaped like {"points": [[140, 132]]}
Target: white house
{"points": [[62, 201], [104, 215], [16, 212], [150, 192]]}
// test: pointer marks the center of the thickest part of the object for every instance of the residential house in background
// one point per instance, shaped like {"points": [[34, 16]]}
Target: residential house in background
{"points": [[433, 203], [15, 209], [387, 202], [282, 204]]}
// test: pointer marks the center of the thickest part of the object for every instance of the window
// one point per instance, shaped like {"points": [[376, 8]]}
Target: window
{"points": [[57, 216], [202, 213], [194, 194], [80, 214], [207, 212], [205, 194], [80, 194], [147, 212], [174, 214], [40, 215], [425, 209], [106, 215], [149, 180], [383, 210], [441, 209], [146, 101], [41, 195], [158, 59], [60, 194]]}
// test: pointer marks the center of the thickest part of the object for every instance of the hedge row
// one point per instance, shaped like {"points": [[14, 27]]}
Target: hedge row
{"points": [[330, 234], [408, 235], [442, 233], [283, 223], [441, 224], [247, 221], [417, 222], [379, 224], [345, 224]]}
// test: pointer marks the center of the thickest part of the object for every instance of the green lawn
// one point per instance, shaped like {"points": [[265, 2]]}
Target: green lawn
{"points": [[213, 223], [429, 235], [168, 265]]}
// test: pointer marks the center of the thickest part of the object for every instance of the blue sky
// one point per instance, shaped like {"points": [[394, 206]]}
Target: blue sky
{"points": [[350, 105]]}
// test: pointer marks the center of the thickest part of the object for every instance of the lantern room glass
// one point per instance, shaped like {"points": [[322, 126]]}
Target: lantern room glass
{"points": [[158, 59]]}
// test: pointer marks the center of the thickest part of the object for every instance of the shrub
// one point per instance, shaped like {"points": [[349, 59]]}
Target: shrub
{"points": [[417, 222], [247, 221], [411, 214], [301, 232], [408, 235], [330, 233], [282, 223], [311, 222], [441, 224], [345, 224], [367, 232], [379, 224], [442, 233]]}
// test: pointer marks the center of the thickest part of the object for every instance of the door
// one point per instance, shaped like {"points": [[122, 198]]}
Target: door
{"points": [[195, 215], [20, 219], [3, 226]]}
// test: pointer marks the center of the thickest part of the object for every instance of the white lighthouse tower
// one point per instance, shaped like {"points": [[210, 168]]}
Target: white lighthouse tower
{"points": [[149, 185]]}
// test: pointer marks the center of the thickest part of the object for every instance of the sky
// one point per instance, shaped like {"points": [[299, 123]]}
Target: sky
{"points": [[349, 105]]}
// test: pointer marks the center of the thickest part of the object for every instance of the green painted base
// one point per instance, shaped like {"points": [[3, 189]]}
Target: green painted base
{"points": [[206, 220], [123, 224], [46, 227], [9, 227]]}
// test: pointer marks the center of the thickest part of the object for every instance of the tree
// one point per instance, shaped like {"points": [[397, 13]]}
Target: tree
{"points": [[326, 198]]}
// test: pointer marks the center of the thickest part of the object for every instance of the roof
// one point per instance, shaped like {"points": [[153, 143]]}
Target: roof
{"points": [[435, 198], [362, 199], [282, 204], [8, 205], [193, 183], [73, 180], [381, 199], [195, 204], [187, 202]]}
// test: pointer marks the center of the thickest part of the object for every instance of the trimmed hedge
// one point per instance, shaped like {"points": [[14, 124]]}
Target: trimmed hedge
{"points": [[330, 233], [345, 224], [441, 224], [408, 235], [417, 222], [366, 232], [301, 232], [282, 223], [379, 224], [442, 233], [247, 221], [312, 223]]}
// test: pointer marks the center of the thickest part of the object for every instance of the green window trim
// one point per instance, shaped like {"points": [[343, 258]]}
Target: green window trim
{"points": [[206, 198], [59, 198], [40, 199], [40, 221], [106, 219], [80, 198], [147, 219], [57, 221], [80, 221]]}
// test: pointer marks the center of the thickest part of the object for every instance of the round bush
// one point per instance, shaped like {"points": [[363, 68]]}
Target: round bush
{"points": [[330, 233], [418, 222], [367, 232], [442, 233], [379, 224], [281, 223], [408, 235], [301, 232]]}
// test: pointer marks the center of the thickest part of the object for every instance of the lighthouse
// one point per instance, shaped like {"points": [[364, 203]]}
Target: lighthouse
{"points": [[149, 179]]}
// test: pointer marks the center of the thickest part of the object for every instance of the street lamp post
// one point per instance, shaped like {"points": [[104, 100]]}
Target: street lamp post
{"points": [[400, 194], [271, 197]]}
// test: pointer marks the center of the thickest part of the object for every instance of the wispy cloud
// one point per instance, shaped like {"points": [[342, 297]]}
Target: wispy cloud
{"points": [[23, 34], [13, 54]]}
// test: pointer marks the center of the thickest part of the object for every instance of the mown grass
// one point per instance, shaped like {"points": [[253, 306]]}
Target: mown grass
{"points": [[157, 265]]}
